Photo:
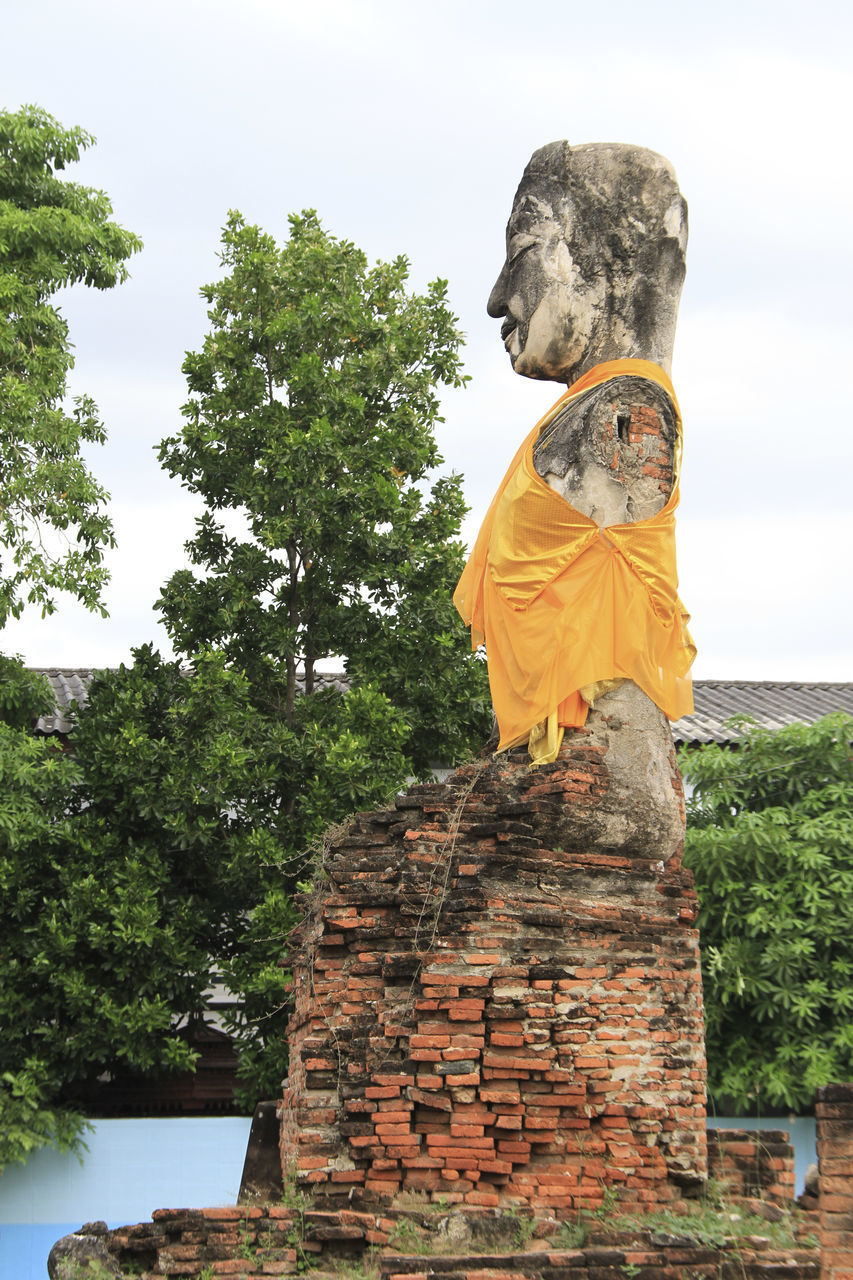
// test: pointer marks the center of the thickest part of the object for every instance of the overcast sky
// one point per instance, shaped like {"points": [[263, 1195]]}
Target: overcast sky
{"points": [[407, 125]]}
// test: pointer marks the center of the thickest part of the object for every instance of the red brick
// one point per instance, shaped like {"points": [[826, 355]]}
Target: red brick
{"points": [[499, 1095], [426, 1080], [487, 1198], [514, 1041], [495, 1166], [442, 1142], [459, 1054]]}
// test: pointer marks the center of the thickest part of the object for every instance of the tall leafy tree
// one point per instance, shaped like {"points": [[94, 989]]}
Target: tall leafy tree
{"points": [[53, 233], [312, 409], [54, 529], [770, 842], [127, 866], [134, 866]]}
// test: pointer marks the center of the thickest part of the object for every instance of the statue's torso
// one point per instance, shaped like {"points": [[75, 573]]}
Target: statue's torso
{"points": [[611, 454]]}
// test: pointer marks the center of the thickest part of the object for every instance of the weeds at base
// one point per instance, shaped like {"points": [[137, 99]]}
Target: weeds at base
{"points": [[714, 1221], [523, 1228], [364, 1268]]}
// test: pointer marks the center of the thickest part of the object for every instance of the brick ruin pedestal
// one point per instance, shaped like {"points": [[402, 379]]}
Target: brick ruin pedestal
{"points": [[491, 1007], [834, 1115]]}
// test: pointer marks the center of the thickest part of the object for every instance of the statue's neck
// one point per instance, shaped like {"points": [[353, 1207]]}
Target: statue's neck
{"points": [[617, 340], [659, 355], [625, 330]]}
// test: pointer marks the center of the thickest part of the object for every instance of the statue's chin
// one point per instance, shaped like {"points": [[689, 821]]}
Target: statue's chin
{"points": [[542, 370]]}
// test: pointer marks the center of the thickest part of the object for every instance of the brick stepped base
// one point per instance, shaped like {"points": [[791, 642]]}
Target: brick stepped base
{"points": [[492, 1006], [245, 1243], [248, 1244], [609, 1264]]}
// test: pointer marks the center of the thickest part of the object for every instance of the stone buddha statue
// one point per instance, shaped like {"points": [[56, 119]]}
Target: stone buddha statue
{"points": [[588, 294]]}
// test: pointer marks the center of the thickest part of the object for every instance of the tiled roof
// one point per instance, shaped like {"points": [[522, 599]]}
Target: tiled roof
{"points": [[69, 684], [770, 703]]}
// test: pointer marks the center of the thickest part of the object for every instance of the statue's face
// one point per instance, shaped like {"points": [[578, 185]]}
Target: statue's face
{"points": [[551, 310]]}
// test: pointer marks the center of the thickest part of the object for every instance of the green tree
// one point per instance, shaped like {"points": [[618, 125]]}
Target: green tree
{"points": [[53, 233], [127, 866], [770, 842], [311, 414]]}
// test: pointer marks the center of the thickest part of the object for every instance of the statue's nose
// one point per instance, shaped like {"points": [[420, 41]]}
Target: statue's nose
{"points": [[496, 306]]}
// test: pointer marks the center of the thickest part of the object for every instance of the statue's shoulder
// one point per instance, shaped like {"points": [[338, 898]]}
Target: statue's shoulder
{"points": [[640, 396], [615, 411], [610, 452]]}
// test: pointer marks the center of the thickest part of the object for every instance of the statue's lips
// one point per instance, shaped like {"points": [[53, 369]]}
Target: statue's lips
{"points": [[507, 328]]}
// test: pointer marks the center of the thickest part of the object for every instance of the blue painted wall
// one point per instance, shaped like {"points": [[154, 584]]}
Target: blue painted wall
{"points": [[132, 1167]]}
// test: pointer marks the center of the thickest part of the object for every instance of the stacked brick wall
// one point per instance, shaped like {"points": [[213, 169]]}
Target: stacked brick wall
{"points": [[273, 1240], [834, 1115], [248, 1244], [753, 1162], [489, 1011], [683, 1261]]}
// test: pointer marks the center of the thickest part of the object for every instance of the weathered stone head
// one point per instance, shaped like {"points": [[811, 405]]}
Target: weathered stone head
{"points": [[595, 260]]}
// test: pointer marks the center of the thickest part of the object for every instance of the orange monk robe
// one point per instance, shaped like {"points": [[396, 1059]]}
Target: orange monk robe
{"points": [[563, 604]]}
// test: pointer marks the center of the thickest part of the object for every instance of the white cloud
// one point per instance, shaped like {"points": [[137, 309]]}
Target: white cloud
{"points": [[769, 596]]}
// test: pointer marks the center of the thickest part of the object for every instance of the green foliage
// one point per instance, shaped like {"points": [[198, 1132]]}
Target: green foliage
{"points": [[572, 1233], [715, 1222], [311, 413], [367, 1267], [28, 1121], [409, 1236], [53, 233], [524, 1227], [87, 1269], [127, 869], [770, 841], [24, 695]]}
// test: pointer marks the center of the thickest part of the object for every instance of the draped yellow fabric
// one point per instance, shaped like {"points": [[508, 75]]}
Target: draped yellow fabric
{"points": [[563, 604]]}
